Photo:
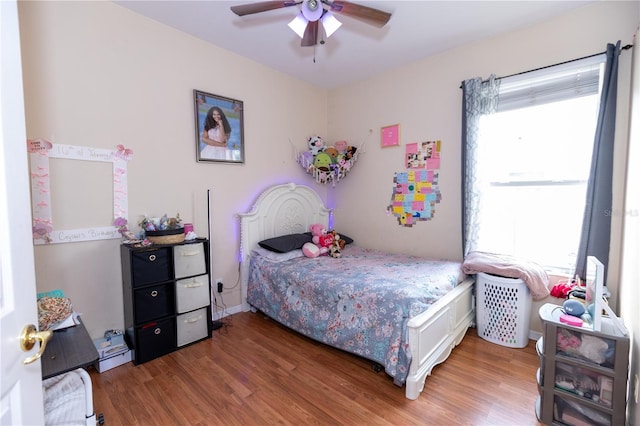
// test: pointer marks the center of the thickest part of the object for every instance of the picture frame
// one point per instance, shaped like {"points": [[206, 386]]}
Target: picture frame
{"points": [[423, 155], [390, 135], [212, 146], [92, 162]]}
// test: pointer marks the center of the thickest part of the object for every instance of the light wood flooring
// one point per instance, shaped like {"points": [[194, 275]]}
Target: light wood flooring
{"points": [[255, 371]]}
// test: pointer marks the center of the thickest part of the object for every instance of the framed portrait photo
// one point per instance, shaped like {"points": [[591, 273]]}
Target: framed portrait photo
{"points": [[219, 128], [390, 135]]}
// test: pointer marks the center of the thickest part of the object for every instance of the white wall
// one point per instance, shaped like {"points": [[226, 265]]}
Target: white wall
{"points": [[425, 99], [630, 273], [98, 75]]}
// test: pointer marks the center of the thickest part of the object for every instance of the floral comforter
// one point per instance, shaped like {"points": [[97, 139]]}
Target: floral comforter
{"points": [[359, 303]]}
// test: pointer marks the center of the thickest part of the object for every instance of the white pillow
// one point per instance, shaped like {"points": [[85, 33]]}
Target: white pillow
{"points": [[278, 257]]}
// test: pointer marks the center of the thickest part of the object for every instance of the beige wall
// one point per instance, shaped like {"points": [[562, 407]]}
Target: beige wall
{"points": [[424, 97], [96, 74]]}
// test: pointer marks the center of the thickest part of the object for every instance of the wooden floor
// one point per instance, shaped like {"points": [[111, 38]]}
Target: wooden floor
{"points": [[254, 371]]}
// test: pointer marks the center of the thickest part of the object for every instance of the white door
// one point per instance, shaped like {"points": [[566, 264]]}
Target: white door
{"points": [[21, 385]]}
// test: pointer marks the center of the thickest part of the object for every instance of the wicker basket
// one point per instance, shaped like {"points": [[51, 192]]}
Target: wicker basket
{"points": [[168, 236]]}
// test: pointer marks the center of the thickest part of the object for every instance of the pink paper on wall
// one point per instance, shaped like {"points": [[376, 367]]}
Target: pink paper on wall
{"points": [[416, 191]]}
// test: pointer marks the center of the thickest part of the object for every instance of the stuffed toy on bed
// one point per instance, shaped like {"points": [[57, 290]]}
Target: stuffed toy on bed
{"points": [[338, 240], [326, 241], [310, 250], [317, 229], [338, 244], [317, 246]]}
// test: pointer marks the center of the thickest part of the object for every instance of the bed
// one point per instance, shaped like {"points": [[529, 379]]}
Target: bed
{"points": [[406, 329]]}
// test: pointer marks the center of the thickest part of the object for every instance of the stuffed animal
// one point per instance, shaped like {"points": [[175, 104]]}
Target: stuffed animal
{"points": [[317, 229], [337, 245], [316, 145], [341, 146], [326, 241], [351, 151], [306, 158], [339, 241], [322, 161], [344, 164], [310, 250], [333, 153]]}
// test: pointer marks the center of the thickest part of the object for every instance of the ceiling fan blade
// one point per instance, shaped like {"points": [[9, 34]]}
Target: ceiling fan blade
{"points": [[261, 6], [310, 34], [364, 13]]}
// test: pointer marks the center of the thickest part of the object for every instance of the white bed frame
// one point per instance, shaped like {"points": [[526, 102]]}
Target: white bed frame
{"points": [[291, 208]]}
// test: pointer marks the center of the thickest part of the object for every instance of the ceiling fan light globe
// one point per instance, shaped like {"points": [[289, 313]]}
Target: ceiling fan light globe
{"points": [[299, 24], [330, 23], [312, 9]]}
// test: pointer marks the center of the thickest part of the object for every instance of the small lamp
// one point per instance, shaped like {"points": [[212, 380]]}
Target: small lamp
{"points": [[330, 23], [299, 24], [311, 11]]}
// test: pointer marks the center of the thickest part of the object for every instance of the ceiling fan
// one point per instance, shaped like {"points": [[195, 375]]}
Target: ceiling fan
{"points": [[312, 12]]}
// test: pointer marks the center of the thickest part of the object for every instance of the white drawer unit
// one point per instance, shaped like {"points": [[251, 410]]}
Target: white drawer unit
{"points": [[192, 293], [189, 260], [192, 326]]}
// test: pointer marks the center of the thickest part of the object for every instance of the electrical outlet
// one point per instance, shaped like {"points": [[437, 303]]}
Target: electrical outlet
{"points": [[219, 284]]}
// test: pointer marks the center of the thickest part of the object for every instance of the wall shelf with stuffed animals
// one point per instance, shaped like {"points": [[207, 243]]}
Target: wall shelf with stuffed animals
{"points": [[328, 164]]}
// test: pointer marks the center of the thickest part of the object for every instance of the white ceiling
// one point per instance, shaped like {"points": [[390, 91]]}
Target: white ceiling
{"points": [[417, 29]]}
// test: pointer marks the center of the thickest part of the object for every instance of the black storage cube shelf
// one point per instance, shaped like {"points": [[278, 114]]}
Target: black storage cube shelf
{"points": [[151, 266], [156, 339], [150, 296], [154, 302]]}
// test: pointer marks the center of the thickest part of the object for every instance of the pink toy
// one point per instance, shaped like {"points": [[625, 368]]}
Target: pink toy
{"points": [[317, 229], [341, 146], [325, 241], [310, 250], [318, 232]]}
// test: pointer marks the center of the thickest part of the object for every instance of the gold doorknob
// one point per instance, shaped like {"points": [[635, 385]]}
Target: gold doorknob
{"points": [[29, 337]]}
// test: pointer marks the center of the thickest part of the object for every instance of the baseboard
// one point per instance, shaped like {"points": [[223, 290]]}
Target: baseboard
{"points": [[218, 315], [534, 335]]}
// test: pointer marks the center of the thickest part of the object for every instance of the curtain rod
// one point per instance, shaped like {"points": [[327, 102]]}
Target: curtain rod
{"points": [[627, 47]]}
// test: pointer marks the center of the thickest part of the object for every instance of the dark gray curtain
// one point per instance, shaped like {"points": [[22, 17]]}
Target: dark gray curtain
{"points": [[596, 224]]}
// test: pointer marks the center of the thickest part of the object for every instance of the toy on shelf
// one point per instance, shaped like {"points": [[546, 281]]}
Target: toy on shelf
{"points": [[327, 164]]}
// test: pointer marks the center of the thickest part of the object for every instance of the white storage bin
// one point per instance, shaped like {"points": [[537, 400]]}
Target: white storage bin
{"points": [[189, 260], [192, 293], [192, 326], [503, 310], [114, 361]]}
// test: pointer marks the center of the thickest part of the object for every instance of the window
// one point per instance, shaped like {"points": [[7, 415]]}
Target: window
{"points": [[534, 157]]}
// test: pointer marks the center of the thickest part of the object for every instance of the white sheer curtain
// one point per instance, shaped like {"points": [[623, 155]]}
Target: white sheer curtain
{"points": [[480, 98]]}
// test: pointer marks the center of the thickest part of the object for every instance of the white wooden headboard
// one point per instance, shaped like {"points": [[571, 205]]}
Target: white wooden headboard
{"points": [[279, 210]]}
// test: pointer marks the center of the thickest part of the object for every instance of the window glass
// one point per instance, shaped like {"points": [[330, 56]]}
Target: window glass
{"points": [[534, 165]]}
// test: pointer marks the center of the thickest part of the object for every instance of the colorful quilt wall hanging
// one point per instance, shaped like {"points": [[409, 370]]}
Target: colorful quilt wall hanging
{"points": [[416, 191]]}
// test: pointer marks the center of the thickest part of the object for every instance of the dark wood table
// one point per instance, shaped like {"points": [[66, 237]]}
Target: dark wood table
{"points": [[68, 349]]}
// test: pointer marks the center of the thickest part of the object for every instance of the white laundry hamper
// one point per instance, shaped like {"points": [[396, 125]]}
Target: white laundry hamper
{"points": [[503, 310]]}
